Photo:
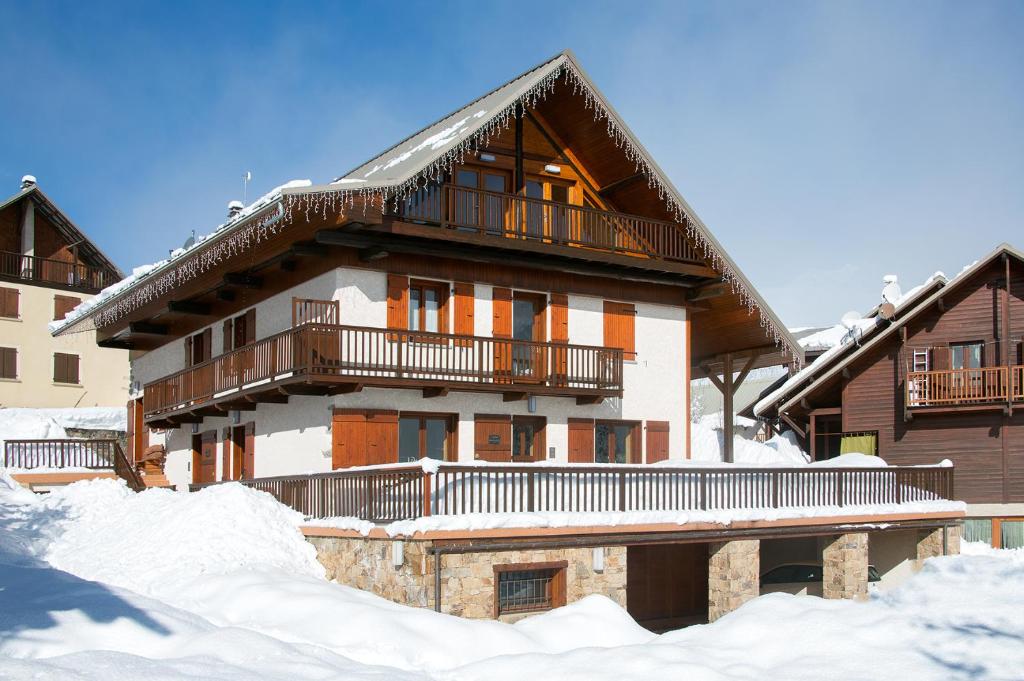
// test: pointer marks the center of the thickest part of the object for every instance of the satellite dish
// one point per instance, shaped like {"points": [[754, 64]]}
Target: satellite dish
{"points": [[887, 311], [190, 242]]}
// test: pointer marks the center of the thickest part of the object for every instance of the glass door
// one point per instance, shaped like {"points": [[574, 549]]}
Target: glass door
{"points": [[968, 380], [529, 331]]}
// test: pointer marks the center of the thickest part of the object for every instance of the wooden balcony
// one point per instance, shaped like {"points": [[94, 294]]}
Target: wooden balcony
{"points": [[316, 358], [508, 216], [59, 273], [964, 387], [390, 493]]}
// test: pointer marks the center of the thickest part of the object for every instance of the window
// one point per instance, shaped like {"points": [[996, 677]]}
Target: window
{"points": [[8, 363], [620, 327], [199, 347], [65, 368], [965, 355], [427, 306], [425, 436], [616, 442], [529, 587], [62, 305], [9, 298]]}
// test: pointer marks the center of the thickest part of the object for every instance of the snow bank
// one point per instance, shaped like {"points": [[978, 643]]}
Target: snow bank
{"points": [[28, 424], [707, 440], [84, 418]]}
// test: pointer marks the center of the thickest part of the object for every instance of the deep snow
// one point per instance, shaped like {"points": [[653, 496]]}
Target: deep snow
{"points": [[220, 585]]}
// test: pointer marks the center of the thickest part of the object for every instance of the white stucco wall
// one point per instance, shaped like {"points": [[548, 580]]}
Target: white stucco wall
{"points": [[295, 437]]}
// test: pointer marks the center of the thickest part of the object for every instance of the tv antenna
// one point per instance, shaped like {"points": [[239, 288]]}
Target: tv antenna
{"points": [[851, 320], [246, 178]]}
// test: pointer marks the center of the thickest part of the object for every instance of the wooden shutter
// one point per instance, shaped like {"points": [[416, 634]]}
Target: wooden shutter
{"points": [[73, 376], [249, 452], [560, 336], [250, 326], [501, 329], [381, 437], [657, 441], [207, 339], [398, 301], [8, 363], [581, 440], [348, 438], [940, 359], [9, 298], [188, 351], [62, 305], [464, 312], [225, 454], [225, 344], [620, 327], [65, 368], [129, 435], [492, 437]]}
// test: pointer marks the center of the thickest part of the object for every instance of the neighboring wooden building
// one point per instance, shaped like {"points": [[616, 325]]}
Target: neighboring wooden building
{"points": [[47, 267], [943, 379]]}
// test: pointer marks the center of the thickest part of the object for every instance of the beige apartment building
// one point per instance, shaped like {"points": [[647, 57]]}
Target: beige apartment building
{"points": [[47, 267]]}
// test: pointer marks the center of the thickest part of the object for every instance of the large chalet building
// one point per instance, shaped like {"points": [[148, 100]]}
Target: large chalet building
{"points": [[498, 316], [47, 267], [941, 376]]}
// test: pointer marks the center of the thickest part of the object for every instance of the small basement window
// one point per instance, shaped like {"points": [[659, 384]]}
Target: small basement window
{"points": [[529, 588]]}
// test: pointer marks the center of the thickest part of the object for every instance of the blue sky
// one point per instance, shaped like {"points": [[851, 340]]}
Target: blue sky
{"points": [[825, 144]]}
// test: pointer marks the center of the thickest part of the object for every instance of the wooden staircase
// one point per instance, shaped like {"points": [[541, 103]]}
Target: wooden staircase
{"points": [[151, 467]]}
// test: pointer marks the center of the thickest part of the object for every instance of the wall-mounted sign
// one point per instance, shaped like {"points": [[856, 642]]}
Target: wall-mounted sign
{"points": [[494, 439]]}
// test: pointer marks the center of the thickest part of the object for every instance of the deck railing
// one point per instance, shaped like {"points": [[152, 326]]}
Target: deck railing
{"points": [[50, 271], [510, 216], [950, 387], [390, 493], [70, 453], [390, 357]]}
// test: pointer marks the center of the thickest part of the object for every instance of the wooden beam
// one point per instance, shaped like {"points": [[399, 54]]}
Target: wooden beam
{"points": [[243, 404], [372, 253], [707, 292], [148, 328], [189, 307], [227, 295], [728, 394], [269, 397], [345, 389], [618, 184], [712, 377], [289, 265], [589, 399], [434, 392], [309, 250], [513, 397], [116, 343], [243, 279], [746, 370], [792, 424]]}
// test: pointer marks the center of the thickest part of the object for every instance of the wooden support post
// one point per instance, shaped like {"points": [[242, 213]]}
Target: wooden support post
{"points": [[520, 176], [426, 494], [727, 408]]}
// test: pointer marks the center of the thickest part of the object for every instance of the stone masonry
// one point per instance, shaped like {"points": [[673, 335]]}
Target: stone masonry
{"points": [[929, 543], [845, 566], [467, 579], [734, 568]]}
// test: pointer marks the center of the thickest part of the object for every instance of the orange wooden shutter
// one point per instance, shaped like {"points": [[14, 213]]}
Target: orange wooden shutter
{"points": [[208, 345], [250, 326], [501, 301], [129, 435], [225, 345], [464, 304], [225, 454], [492, 437], [657, 441], [381, 437], [581, 441], [249, 453], [398, 301], [620, 327], [9, 303], [348, 438], [560, 335]]}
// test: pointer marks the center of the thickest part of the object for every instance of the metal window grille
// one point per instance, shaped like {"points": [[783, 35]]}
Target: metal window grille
{"points": [[525, 590]]}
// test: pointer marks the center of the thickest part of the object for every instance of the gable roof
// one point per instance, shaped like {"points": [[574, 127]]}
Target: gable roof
{"points": [[71, 233], [426, 155], [833, 361]]}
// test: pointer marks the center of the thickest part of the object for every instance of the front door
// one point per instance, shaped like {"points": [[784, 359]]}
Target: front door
{"points": [[529, 331], [204, 457], [968, 382], [528, 438]]}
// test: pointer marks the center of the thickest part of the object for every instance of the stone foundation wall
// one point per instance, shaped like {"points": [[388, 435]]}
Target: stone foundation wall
{"points": [[845, 566], [467, 579], [734, 570], [929, 543]]}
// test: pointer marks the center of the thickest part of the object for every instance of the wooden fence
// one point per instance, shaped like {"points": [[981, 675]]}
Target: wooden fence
{"points": [[387, 494], [393, 357], [57, 454], [511, 216]]}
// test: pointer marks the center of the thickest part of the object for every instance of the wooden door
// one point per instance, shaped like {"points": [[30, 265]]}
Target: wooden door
{"points": [[249, 452], [657, 441], [204, 457], [238, 470], [581, 441], [528, 438], [225, 454], [667, 585], [502, 333]]}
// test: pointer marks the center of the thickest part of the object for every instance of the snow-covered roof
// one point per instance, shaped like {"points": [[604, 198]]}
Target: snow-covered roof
{"points": [[870, 331], [399, 170]]}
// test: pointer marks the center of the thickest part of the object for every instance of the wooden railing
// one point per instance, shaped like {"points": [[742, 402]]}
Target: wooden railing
{"points": [[511, 216], [58, 454], [964, 386], [46, 270], [390, 493], [386, 357]]}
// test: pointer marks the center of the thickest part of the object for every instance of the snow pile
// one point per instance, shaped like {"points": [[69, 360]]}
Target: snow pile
{"points": [[707, 439], [28, 424], [83, 418]]}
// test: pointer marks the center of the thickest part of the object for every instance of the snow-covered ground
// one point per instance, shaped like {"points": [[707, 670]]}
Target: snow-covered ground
{"points": [[100, 583]]}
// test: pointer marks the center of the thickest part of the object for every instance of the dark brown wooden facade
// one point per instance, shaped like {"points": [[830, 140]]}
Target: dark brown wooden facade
{"points": [[943, 383]]}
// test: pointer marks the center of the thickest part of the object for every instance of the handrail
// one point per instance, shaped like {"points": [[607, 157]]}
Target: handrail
{"points": [[59, 453], [126, 470], [964, 386], [388, 355], [513, 216], [390, 493], [49, 270]]}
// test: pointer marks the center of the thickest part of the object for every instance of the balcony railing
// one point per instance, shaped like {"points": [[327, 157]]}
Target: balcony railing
{"points": [[951, 387], [49, 271], [382, 357], [69, 454], [392, 493], [510, 216]]}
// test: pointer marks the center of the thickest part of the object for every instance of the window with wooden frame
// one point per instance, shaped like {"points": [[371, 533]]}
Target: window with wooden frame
{"points": [[428, 306], [426, 436], [9, 363], [199, 347], [62, 305], [617, 442], [620, 327], [529, 587], [9, 303], [65, 368], [488, 211]]}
